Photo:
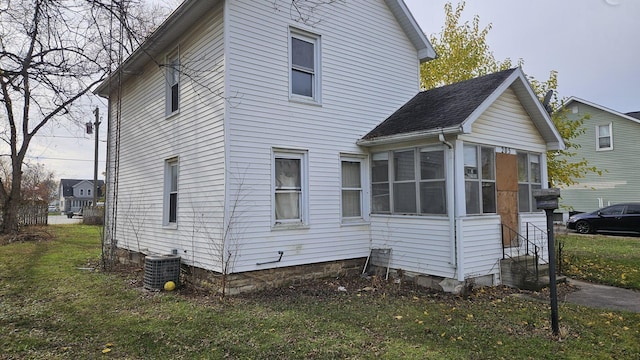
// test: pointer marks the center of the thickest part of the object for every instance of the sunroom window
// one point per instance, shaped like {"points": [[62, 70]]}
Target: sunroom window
{"points": [[418, 182], [480, 179], [529, 179]]}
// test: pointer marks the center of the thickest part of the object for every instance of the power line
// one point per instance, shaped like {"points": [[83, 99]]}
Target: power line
{"points": [[64, 159]]}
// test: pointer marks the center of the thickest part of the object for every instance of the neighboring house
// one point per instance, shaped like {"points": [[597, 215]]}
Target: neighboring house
{"points": [[76, 194], [610, 143], [260, 143]]}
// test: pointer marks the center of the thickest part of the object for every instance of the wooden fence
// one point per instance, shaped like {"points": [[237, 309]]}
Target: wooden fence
{"points": [[93, 215], [33, 213]]}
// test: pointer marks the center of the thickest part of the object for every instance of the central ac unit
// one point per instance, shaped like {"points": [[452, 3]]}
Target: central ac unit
{"points": [[160, 269]]}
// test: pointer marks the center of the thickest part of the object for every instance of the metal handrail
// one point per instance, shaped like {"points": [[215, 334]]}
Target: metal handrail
{"points": [[529, 247]]}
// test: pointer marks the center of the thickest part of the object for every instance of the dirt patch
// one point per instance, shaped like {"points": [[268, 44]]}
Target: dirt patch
{"points": [[28, 234]]}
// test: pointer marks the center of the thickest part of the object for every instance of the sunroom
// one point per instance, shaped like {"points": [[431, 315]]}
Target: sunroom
{"points": [[452, 168]]}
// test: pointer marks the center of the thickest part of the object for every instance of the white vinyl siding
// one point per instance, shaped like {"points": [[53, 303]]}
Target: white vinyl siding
{"points": [[147, 138], [419, 244], [381, 59], [506, 124]]}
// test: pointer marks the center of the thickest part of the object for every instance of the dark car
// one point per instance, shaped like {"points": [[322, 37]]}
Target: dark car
{"points": [[619, 217]]}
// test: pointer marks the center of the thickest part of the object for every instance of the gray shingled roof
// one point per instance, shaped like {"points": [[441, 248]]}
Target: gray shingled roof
{"points": [[444, 107], [634, 114]]}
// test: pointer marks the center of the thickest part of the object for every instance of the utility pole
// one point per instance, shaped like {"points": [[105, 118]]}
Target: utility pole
{"points": [[95, 159]]}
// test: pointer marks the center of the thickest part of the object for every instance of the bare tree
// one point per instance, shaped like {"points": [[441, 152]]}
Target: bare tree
{"points": [[308, 12], [38, 183], [52, 53], [222, 231]]}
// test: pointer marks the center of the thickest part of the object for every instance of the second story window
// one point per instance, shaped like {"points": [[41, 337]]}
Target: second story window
{"points": [[172, 84], [604, 139], [304, 82]]}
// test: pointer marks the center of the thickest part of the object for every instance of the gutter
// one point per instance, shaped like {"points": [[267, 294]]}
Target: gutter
{"points": [[416, 135]]}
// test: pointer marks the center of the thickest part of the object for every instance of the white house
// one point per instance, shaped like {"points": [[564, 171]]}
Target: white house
{"points": [[76, 194], [251, 140]]}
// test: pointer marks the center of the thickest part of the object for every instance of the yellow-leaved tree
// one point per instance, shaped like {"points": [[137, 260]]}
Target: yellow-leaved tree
{"points": [[463, 54]]}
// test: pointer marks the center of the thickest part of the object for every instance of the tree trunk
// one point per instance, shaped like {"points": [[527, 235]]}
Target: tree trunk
{"points": [[10, 216], [11, 205]]}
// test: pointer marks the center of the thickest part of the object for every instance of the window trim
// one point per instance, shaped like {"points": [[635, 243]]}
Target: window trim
{"points": [[168, 76], [364, 181], [316, 87], [168, 164], [598, 137], [303, 220]]}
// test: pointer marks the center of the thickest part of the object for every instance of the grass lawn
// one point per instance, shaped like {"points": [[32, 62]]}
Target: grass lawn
{"points": [[50, 307], [610, 260]]}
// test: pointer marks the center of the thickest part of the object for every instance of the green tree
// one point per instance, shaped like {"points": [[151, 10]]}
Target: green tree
{"points": [[463, 54]]}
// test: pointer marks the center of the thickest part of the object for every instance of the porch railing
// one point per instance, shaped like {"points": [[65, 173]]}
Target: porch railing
{"points": [[529, 253]]}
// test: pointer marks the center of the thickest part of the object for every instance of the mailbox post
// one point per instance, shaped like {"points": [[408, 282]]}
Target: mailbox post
{"points": [[547, 200]]}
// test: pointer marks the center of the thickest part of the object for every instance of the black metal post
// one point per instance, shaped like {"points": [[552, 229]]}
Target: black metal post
{"points": [[552, 273]]}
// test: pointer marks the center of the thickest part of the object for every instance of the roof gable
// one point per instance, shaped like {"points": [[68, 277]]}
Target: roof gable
{"points": [[632, 116], [67, 185], [453, 109], [191, 11]]}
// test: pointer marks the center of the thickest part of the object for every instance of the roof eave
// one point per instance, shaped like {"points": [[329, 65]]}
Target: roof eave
{"points": [[600, 107], [531, 104], [410, 26], [416, 135], [158, 42]]}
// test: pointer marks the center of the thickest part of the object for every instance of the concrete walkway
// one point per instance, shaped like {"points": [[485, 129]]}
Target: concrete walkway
{"points": [[62, 219], [603, 297]]}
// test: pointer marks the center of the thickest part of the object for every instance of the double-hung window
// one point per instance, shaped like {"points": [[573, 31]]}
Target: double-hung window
{"points": [[604, 138], [480, 179], [171, 191], [408, 181], [432, 182], [304, 82], [529, 179], [352, 176], [172, 76], [380, 193], [290, 187]]}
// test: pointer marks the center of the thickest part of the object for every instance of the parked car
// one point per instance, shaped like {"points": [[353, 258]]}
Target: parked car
{"points": [[619, 217], [52, 208]]}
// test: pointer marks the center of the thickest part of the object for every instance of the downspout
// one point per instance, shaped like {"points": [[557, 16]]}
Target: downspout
{"points": [[451, 199]]}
